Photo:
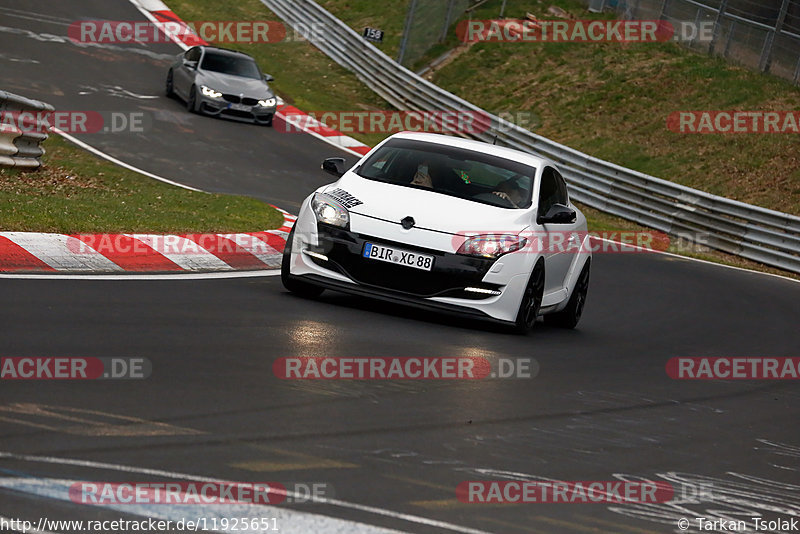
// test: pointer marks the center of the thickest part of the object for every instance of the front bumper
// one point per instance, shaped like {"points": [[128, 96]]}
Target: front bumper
{"points": [[451, 273], [442, 288], [218, 107]]}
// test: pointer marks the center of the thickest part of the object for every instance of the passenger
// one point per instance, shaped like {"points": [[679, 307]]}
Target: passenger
{"points": [[423, 176]]}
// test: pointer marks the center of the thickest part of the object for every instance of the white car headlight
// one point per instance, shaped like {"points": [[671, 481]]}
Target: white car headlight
{"points": [[268, 103], [209, 92], [492, 245], [329, 211]]}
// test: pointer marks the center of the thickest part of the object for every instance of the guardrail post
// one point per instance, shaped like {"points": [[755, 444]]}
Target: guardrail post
{"points": [[766, 53], [717, 24]]}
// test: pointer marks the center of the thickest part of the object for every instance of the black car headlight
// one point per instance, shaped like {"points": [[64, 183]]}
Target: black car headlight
{"points": [[329, 211]]}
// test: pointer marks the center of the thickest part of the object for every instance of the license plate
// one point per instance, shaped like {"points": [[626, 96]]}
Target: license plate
{"points": [[398, 256], [239, 107]]}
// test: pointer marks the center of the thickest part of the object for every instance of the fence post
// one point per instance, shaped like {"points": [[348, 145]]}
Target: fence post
{"points": [[503, 9], [766, 53], [730, 39], [717, 23], [406, 31], [797, 71], [664, 7], [635, 13], [447, 17]]}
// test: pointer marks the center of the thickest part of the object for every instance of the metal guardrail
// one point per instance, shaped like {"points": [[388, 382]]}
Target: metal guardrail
{"points": [[745, 230], [20, 148]]}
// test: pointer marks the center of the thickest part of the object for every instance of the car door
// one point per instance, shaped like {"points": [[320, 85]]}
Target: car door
{"points": [[183, 76], [561, 241]]}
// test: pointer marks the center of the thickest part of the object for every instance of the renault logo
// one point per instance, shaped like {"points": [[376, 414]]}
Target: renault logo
{"points": [[408, 223]]}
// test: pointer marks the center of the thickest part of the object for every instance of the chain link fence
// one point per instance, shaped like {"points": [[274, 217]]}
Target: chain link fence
{"points": [[760, 34], [427, 23]]}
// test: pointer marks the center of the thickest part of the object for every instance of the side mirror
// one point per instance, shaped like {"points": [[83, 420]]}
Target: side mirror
{"points": [[557, 214], [190, 64], [331, 166], [268, 78]]}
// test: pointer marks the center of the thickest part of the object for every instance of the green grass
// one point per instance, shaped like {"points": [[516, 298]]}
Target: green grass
{"points": [[387, 16], [76, 192]]}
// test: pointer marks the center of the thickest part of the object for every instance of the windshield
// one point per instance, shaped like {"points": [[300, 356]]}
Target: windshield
{"points": [[233, 65], [452, 171]]}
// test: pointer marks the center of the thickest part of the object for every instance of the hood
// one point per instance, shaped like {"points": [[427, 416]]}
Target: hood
{"points": [[431, 211], [235, 85]]}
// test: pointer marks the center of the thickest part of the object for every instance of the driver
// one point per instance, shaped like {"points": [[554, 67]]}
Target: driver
{"points": [[510, 191]]}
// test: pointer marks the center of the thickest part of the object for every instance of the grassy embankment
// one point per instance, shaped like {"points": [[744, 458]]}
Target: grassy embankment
{"points": [[76, 192]]}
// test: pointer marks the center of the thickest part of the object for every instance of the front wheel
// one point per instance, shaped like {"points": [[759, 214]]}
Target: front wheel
{"points": [[569, 316], [298, 287], [170, 87], [531, 300], [191, 102]]}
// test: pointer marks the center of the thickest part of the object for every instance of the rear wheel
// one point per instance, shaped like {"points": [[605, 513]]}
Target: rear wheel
{"points": [[531, 300], [569, 316], [298, 287]]}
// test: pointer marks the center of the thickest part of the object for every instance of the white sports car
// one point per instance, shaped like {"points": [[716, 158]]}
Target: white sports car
{"points": [[449, 224]]}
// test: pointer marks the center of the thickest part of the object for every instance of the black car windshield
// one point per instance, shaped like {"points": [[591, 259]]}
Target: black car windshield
{"points": [[452, 171], [233, 65]]}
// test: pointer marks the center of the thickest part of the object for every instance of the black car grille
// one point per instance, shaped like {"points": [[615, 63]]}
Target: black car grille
{"points": [[236, 99], [450, 273]]}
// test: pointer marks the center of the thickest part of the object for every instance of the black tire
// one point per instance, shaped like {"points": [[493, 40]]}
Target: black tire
{"points": [[531, 300], [569, 316], [191, 101], [298, 287], [170, 88]]}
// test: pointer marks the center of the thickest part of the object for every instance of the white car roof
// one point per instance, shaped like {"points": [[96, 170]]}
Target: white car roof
{"points": [[478, 146]]}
